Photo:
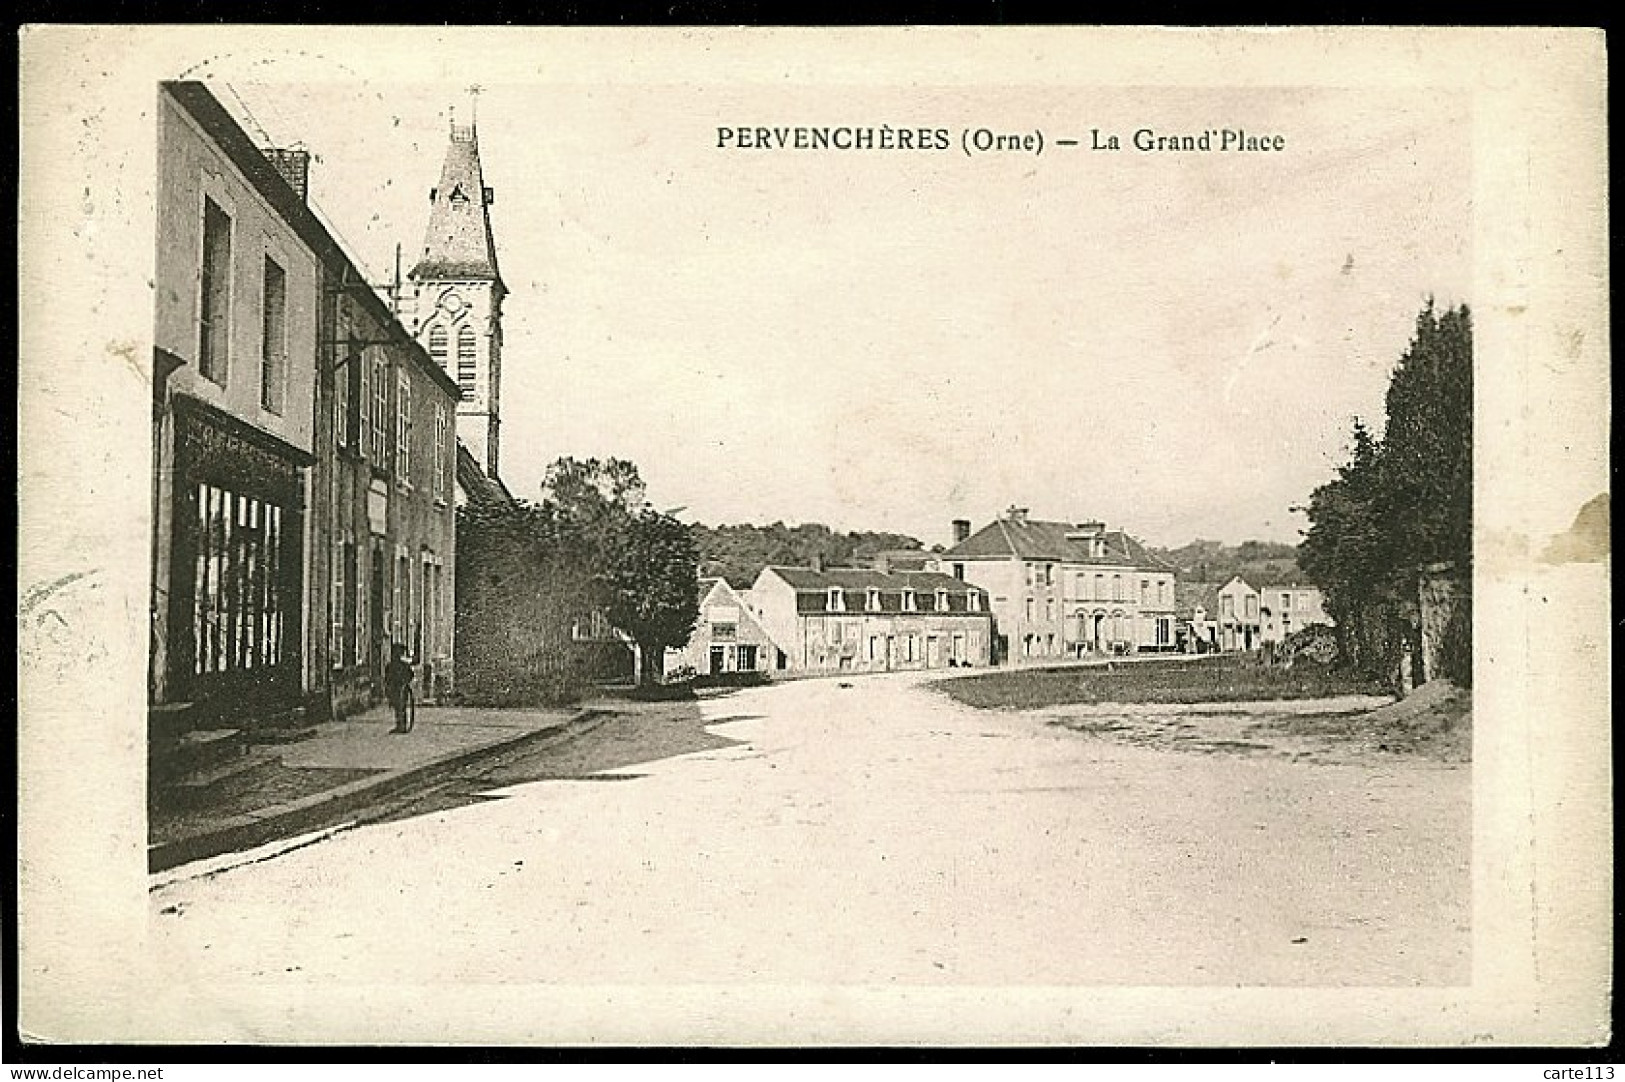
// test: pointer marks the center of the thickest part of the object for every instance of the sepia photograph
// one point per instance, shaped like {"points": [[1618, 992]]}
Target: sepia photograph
{"points": [[775, 538]]}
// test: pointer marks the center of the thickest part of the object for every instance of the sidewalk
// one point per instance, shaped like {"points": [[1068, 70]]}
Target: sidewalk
{"points": [[345, 766]]}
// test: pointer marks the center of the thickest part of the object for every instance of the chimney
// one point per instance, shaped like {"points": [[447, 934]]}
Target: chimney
{"points": [[818, 562], [1016, 514], [294, 167], [882, 562], [1087, 529], [961, 530]]}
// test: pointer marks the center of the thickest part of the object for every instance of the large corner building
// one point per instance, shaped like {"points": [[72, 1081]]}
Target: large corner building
{"points": [[1066, 589]]}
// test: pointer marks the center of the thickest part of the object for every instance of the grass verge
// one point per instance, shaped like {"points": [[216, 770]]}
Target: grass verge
{"points": [[1227, 678]]}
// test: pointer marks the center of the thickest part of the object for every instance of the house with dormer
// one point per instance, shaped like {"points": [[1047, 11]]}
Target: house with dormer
{"points": [[862, 620]]}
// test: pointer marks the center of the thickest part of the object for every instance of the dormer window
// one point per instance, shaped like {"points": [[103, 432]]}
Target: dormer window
{"points": [[871, 600], [836, 602], [942, 601], [908, 601], [973, 601]]}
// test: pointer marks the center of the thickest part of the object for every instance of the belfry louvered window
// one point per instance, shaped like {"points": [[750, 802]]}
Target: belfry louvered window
{"points": [[437, 345], [465, 362]]}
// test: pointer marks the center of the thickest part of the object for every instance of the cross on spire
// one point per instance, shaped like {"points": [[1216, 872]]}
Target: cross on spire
{"points": [[474, 92]]}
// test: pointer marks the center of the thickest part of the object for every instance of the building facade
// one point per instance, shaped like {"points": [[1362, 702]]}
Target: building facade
{"points": [[1239, 620], [1249, 616], [237, 287], [1288, 607], [1066, 590], [727, 638], [849, 620], [385, 481], [304, 448]]}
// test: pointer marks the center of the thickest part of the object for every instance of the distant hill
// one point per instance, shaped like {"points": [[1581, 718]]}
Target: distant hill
{"points": [[1261, 563], [738, 553]]}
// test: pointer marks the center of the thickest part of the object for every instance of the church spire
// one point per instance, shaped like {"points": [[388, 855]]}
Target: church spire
{"points": [[458, 243], [457, 294]]}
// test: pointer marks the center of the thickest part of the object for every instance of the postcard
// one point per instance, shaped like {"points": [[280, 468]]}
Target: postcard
{"points": [[763, 537]]}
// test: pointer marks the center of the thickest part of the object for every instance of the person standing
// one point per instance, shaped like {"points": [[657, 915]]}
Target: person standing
{"points": [[398, 687]]}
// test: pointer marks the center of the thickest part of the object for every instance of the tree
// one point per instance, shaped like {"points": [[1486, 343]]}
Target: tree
{"points": [[521, 581], [652, 587], [1427, 460], [593, 498], [1346, 551], [1402, 506], [739, 552], [643, 565]]}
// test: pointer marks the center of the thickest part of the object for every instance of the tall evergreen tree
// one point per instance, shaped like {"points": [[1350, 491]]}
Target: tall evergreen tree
{"points": [[1427, 461], [1402, 506]]}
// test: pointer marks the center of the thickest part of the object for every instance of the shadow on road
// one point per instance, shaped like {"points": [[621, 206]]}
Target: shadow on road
{"points": [[628, 734]]}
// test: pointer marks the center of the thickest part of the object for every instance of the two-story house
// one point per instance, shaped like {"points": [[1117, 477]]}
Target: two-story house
{"points": [[1239, 627], [386, 492], [1062, 589], [1289, 606], [237, 337], [1251, 616], [857, 620]]}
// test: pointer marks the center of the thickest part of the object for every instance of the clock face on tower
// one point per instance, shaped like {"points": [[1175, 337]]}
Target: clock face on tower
{"points": [[451, 303]]}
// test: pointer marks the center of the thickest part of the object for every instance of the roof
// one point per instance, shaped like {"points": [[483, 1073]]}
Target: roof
{"points": [[905, 559], [705, 588], [458, 243], [805, 579], [1036, 539], [812, 589], [249, 158], [478, 485], [1280, 580], [1190, 596]]}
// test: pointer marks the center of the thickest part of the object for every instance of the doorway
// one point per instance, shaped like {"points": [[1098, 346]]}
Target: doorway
{"points": [[375, 620]]}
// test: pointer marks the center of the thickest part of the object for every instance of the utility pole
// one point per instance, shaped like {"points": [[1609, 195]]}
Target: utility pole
{"points": [[395, 289]]}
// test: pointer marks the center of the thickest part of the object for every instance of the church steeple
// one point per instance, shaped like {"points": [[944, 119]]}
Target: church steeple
{"points": [[458, 243], [456, 295]]}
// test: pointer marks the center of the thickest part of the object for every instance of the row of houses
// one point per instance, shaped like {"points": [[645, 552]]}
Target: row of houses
{"points": [[307, 464], [1019, 590]]}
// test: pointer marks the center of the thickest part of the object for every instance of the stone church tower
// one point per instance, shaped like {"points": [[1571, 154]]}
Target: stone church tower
{"points": [[454, 298]]}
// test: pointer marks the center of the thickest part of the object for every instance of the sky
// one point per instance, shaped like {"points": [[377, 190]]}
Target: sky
{"points": [[1174, 343]]}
